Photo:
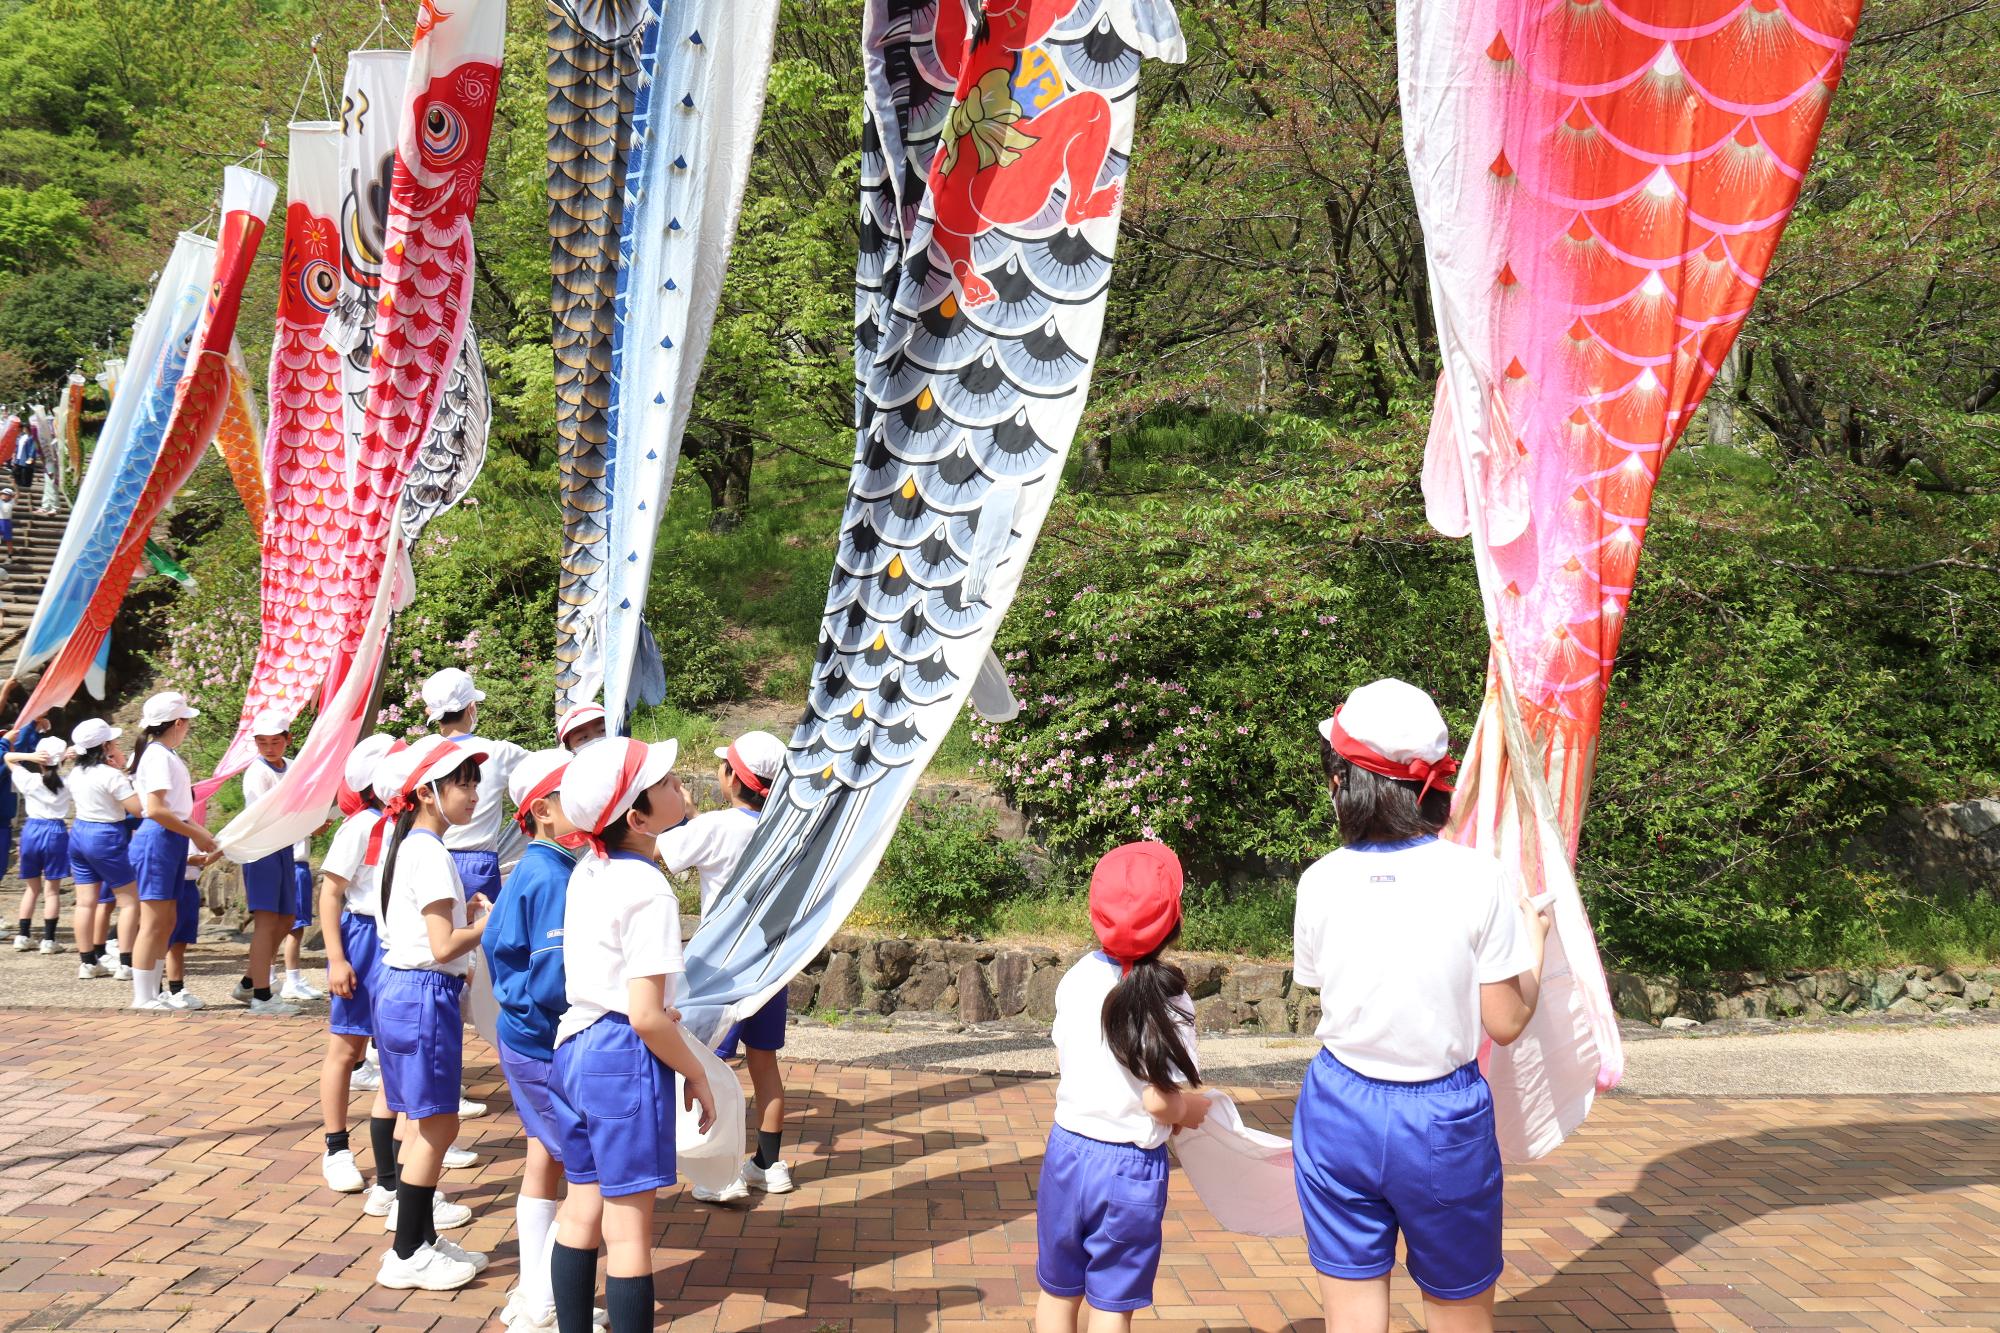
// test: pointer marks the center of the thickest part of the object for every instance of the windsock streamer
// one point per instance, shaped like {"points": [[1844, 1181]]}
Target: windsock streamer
{"points": [[1600, 197], [593, 80], [425, 306], [305, 534], [707, 65], [197, 411], [127, 447], [240, 439], [991, 178]]}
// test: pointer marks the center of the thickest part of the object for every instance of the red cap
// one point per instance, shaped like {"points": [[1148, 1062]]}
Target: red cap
{"points": [[1135, 899]]}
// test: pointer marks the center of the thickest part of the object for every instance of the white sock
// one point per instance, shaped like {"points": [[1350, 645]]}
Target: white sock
{"points": [[295, 978], [146, 984], [535, 1225]]}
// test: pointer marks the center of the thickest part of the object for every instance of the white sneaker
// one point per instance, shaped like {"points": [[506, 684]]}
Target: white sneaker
{"points": [[445, 1215], [49, 946], [773, 1179], [22, 944], [469, 1109], [729, 1193], [457, 1158], [365, 1079], [241, 993], [274, 1008], [379, 1203], [428, 1268], [341, 1174], [157, 1005], [451, 1249], [86, 971], [518, 1318], [300, 991], [185, 999], [122, 972]]}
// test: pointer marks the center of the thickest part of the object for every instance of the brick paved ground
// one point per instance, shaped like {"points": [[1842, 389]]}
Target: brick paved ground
{"points": [[161, 1173]]}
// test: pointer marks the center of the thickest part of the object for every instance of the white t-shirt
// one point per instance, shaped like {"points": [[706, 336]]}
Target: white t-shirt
{"points": [[425, 874], [42, 803], [259, 778], [482, 833], [620, 921], [100, 792], [1398, 941], [161, 770], [712, 844], [1097, 1097], [347, 858]]}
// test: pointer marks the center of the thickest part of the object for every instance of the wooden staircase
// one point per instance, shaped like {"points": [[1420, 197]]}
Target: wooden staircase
{"points": [[36, 537]]}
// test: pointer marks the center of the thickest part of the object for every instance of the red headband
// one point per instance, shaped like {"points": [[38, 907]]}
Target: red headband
{"points": [[744, 775], [628, 773], [1431, 773], [536, 793], [393, 808]]}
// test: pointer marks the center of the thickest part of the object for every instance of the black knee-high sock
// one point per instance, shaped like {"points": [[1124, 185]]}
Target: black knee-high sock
{"points": [[49, 928], [26, 923], [629, 1302], [382, 1138], [413, 1217], [768, 1141], [573, 1278], [124, 958]]}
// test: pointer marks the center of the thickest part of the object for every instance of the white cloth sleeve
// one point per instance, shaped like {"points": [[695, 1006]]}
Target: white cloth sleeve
{"points": [[1504, 951]]}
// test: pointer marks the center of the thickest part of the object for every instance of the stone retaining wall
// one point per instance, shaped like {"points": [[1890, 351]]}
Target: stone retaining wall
{"points": [[998, 981]]}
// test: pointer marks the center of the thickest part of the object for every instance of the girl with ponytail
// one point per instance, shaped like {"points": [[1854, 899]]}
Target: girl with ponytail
{"points": [[428, 933], [1124, 1037]]}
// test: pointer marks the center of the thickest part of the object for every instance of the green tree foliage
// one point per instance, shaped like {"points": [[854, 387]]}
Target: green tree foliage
{"points": [[58, 317]]}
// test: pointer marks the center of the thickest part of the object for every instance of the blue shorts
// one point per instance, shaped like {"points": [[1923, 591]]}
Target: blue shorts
{"points": [[268, 885], [6, 529], [1373, 1157], [159, 862], [98, 855], [762, 1031], [187, 915], [302, 894], [420, 1037], [479, 872], [44, 850], [355, 1017], [7, 841], [614, 1110], [534, 1105], [1098, 1214]]}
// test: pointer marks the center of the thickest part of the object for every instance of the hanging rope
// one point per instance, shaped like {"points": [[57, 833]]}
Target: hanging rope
{"points": [[314, 70], [382, 24]]}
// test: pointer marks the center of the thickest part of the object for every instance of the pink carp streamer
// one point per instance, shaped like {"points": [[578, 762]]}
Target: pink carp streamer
{"points": [[421, 321], [305, 532], [199, 406], [1601, 194]]}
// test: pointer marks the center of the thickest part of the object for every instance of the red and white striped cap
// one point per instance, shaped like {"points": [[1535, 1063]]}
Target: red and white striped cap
{"points": [[1393, 728], [603, 781]]}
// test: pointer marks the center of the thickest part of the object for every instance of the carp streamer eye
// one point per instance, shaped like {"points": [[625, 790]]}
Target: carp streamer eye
{"points": [[319, 284], [444, 134]]}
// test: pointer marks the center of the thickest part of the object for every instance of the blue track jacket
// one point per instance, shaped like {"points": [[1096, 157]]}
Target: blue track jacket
{"points": [[524, 948]]}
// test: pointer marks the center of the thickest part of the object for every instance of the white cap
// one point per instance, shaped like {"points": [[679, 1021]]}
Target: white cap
{"points": [[91, 733], [1395, 720], [603, 781], [759, 751], [576, 717], [427, 761], [271, 722], [365, 760], [52, 750], [532, 771], [449, 691], [164, 707]]}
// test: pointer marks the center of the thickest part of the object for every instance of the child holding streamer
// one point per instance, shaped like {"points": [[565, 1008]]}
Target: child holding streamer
{"points": [[44, 838], [1125, 1048], [348, 907], [1419, 949], [159, 850], [524, 950], [100, 845], [429, 931], [619, 1045], [713, 844]]}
